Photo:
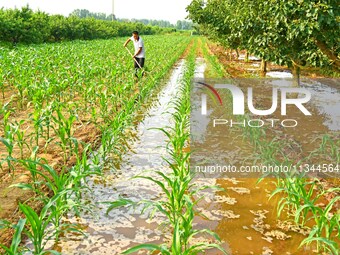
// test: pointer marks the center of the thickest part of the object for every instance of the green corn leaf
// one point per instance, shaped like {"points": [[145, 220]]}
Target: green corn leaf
{"points": [[119, 203], [149, 247], [17, 235]]}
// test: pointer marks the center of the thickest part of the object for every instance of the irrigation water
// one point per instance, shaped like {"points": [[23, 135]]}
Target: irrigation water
{"points": [[241, 215], [123, 227]]}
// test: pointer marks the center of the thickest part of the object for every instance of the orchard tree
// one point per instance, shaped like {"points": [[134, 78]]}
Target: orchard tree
{"points": [[290, 32], [23, 26]]}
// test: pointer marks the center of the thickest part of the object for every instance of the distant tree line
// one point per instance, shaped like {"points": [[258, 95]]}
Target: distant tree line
{"points": [[180, 25], [27, 26]]}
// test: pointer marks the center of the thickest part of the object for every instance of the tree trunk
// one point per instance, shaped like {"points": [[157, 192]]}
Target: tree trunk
{"points": [[263, 68], [325, 50], [237, 54], [296, 75], [246, 58], [230, 53]]}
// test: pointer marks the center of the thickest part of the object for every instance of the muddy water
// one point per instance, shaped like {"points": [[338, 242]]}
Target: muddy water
{"points": [[326, 98], [241, 215], [123, 228]]}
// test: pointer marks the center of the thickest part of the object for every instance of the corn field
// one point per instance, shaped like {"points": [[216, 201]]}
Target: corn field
{"points": [[69, 113]]}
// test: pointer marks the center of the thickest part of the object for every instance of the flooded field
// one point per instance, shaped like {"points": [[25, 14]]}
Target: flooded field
{"points": [[240, 208], [242, 215], [122, 228]]}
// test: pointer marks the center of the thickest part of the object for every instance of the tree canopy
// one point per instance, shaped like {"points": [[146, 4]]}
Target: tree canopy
{"points": [[26, 26], [180, 25], [293, 32]]}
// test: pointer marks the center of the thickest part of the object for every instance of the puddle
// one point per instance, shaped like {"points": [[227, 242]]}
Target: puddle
{"points": [[324, 107], [276, 74], [326, 98], [252, 58], [250, 225]]}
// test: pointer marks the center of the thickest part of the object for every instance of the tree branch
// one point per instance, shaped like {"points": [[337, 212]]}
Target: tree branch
{"points": [[325, 50]]}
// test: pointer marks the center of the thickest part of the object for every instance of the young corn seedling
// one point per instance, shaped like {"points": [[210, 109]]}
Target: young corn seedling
{"points": [[20, 135], [326, 229], [37, 229], [37, 119], [14, 248], [8, 141], [65, 187], [330, 147], [32, 166], [22, 92], [103, 101], [2, 87], [81, 170], [47, 117], [88, 91], [301, 197], [106, 142], [64, 132], [39, 97], [5, 114]]}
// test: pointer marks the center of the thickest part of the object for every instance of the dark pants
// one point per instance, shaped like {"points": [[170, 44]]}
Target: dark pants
{"points": [[140, 62]]}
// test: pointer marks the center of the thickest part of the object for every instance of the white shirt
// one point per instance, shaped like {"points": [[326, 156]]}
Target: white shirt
{"points": [[139, 44]]}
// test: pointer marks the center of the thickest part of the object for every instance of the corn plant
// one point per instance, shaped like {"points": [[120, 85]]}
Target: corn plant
{"points": [[2, 86], [20, 136], [22, 92], [103, 99], [81, 170], [301, 197], [37, 229], [14, 248], [217, 68], [107, 142], [65, 186], [77, 73], [64, 131], [329, 147], [32, 166], [5, 113], [177, 186], [9, 142], [37, 119], [326, 224], [47, 117]]}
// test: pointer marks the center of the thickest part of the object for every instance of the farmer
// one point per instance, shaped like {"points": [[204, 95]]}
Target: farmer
{"points": [[139, 56]]}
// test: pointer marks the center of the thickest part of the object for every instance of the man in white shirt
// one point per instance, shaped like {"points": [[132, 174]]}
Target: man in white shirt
{"points": [[139, 55]]}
